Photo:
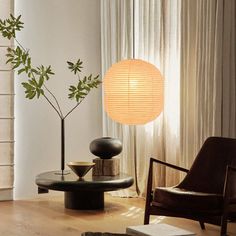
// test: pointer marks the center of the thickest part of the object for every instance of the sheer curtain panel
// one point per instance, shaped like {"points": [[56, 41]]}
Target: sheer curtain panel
{"points": [[208, 80], [193, 45], [6, 113], [156, 41], [116, 45]]}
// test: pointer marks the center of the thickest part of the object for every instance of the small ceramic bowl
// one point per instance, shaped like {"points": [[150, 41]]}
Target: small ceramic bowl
{"points": [[80, 168]]}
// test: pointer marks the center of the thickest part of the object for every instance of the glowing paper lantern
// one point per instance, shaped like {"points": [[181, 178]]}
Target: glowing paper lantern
{"points": [[133, 92]]}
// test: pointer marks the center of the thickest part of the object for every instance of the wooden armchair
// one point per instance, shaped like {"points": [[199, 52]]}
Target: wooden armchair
{"points": [[208, 191]]}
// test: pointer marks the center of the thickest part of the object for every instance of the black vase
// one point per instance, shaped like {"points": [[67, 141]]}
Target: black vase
{"points": [[106, 147]]}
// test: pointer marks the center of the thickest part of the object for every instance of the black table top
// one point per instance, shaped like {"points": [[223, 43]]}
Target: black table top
{"points": [[71, 182]]}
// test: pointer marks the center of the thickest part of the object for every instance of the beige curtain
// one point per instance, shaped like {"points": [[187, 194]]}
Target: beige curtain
{"points": [[208, 80], [116, 44], [6, 113], [193, 44], [157, 41]]}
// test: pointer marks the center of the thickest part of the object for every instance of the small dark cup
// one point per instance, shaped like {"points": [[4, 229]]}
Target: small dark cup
{"points": [[106, 147]]}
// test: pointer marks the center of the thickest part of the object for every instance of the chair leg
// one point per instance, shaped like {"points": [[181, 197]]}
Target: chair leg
{"points": [[224, 222], [202, 225], [146, 217]]}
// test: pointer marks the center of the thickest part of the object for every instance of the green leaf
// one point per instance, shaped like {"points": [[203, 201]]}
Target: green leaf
{"points": [[77, 97], [38, 93], [34, 71], [75, 67], [20, 71], [9, 55], [41, 80], [12, 17], [70, 63], [33, 82], [41, 91], [97, 78], [16, 65], [26, 85], [72, 88], [83, 87], [9, 26], [29, 62], [32, 95], [9, 60]]}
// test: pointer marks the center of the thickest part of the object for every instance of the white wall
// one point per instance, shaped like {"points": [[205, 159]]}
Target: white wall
{"points": [[56, 31]]}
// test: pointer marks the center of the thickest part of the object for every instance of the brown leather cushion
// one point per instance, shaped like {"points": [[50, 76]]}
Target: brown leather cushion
{"points": [[233, 201], [207, 173], [183, 199]]}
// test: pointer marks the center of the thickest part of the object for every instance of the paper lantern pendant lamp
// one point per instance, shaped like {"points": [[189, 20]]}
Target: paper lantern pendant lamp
{"points": [[133, 92]]}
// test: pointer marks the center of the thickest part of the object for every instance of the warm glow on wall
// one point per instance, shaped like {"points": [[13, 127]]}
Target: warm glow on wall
{"points": [[133, 92]]}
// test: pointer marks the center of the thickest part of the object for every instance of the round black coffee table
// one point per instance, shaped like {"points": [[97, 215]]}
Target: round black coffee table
{"points": [[86, 193]]}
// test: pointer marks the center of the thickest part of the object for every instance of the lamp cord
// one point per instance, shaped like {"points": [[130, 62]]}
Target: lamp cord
{"points": [[133, 29], [134, 127]]}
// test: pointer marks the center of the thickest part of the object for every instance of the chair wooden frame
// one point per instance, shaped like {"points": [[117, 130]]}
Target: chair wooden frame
{"points": [[219, 219]]}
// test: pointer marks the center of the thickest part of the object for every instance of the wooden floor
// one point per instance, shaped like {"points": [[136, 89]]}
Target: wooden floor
{"points": [[46, 216]]}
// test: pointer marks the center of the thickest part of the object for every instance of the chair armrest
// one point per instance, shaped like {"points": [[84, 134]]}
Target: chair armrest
{"points": [[152, 160], [150, 176]]}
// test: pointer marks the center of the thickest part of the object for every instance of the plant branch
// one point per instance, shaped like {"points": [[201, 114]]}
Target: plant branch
{"points": [[61, 114], [34, 87], [54, 99], [52, 106], [20, 45], [73, 108]]}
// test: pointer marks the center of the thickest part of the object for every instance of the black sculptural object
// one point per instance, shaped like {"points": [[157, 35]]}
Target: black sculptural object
{"points": [[105, 147]]}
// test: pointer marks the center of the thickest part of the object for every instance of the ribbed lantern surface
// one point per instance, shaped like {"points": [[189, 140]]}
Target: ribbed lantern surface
{"points": [[133, 92]]}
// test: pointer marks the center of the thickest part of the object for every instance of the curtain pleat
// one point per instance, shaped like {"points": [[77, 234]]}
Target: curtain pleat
{"points": [[208, 92], [116, 45], [229, 66], [158, 43], [6, 113]]}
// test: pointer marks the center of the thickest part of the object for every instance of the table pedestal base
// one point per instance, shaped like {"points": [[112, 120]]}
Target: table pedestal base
{"points": [[84, 200]]}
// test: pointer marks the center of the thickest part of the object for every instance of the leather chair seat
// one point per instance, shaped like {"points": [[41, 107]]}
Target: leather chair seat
{"points": [[177, 198]]}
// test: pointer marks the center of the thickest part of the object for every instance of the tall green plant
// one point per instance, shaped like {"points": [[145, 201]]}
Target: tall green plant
{"points": [[35, 86]]}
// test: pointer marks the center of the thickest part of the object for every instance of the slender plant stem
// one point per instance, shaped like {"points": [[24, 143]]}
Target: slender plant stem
{"points": [[54, 99], [53, 106], [20, 45], [73, 108]]}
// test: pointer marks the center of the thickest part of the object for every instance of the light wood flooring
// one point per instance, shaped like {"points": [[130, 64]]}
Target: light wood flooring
{"points": [[46, 216]]}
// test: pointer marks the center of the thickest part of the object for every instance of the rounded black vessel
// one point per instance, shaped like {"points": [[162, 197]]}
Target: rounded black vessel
{"points": [[106, 147]]}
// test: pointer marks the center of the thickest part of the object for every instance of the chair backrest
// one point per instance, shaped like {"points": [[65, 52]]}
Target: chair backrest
{"points": [[207, 173]]}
